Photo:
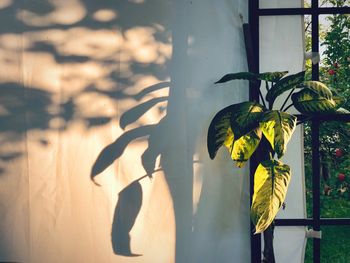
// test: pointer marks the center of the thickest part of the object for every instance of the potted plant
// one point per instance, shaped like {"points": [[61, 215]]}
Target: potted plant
{"points": [[248, 126]]}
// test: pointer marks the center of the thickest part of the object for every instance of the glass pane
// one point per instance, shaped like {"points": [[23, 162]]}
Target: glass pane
{"points": [[307, 3], [334, 136], [335, 167], [280, 4], [333, 3], [335, 244], [308, 42], [335, 53]]}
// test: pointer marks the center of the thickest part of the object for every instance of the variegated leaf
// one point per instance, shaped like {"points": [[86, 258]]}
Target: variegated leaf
{"points": [[243, 148], [319, 88], [271, 182], [218, 129], [245, 118], [283, 85], [309, 102], [278, 128], [342, 111], [339, 101], [272, 76]]}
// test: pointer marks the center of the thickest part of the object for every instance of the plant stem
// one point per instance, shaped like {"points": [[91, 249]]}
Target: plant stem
{"points": [[302, 121], [262, 98], [286, 100], [269, 255], [267, 86], [288, 107]]}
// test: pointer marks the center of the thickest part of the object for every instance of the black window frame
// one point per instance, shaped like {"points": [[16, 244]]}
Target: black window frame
{"points": [[252, 31]]}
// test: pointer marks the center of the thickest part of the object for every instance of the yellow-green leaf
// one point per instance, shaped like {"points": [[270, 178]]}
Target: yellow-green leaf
{"points": [[271, 182], [307, 101], [278, 128], [245, 118], [319, 88], [218, 130], [283, 85], [339, 101], [245, 146], [342, 111], [272, 76], [220, 127]]}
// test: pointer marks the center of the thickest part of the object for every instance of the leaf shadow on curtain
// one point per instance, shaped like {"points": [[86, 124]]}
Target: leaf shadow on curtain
{"points": [[35, 107], [130, 198], [171, 140], [126, 211]]}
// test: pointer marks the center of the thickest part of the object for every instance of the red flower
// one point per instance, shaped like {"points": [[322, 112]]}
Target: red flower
{"points": [[341, 177], [331, 72], [339, 152]]}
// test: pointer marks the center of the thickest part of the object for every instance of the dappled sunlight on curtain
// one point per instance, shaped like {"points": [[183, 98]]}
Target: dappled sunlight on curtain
{"points": [[104, 109]]}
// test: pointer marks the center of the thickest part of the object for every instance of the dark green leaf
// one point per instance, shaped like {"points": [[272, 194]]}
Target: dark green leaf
{"points": [[319, 88], [240, 75], [309, 102], [283, 85], [220, 127], [339, 101], [271, 182], [272, 76], [245, 118], [278, 128]]}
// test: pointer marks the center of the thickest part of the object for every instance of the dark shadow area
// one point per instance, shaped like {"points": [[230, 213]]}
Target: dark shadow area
{"points": [[114, 150], [126, 211], [23, 108]]}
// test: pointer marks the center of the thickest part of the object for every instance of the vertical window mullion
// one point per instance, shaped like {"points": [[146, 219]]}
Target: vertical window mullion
{"points": [[315, 138], [255, 240], [315, 38]]}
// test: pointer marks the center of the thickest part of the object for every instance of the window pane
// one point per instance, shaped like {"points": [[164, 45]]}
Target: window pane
{"points": [[335, 136], [335, 244], [280, 4], [335, 53], [335, 165], [333, 3]]}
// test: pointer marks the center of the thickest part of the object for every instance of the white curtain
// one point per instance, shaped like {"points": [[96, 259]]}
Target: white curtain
{"points": [[116, 91], [282, 48]]}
